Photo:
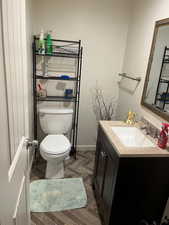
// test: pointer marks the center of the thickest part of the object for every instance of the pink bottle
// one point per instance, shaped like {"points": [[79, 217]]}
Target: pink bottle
{"points": [[163, 138]]}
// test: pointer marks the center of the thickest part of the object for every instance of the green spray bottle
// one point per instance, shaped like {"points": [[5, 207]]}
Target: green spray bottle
{"points": [[49, 47]]}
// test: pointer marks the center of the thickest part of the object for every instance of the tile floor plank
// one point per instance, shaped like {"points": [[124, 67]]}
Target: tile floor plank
{"points": [[54, 218], [43, 219]]}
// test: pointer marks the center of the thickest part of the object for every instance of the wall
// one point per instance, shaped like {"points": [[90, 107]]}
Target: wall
{"points": [[4, 144], [102, 26], [144, 15]]}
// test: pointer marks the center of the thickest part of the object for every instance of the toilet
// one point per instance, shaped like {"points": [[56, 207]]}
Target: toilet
{"points": [[55, 147]]}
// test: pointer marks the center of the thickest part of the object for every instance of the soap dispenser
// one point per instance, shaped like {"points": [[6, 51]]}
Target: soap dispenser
{"points": [[163, 137]]}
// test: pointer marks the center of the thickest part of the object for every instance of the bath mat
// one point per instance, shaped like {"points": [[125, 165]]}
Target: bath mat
{"points": [[51, 195]]}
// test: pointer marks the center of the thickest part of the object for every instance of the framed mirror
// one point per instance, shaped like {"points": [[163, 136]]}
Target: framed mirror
{"points": [[156, 87]]}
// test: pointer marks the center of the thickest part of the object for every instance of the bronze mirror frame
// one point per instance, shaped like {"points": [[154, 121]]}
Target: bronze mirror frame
{"points": [[157, 111]]}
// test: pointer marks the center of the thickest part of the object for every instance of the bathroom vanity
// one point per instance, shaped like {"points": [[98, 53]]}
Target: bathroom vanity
{"points": [[130, 183]]}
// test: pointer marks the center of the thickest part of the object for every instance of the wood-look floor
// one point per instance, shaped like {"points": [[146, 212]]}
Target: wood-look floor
{"points": [[81, 167]]}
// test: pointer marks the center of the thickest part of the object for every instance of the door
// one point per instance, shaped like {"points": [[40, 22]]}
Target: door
{"points": [[15, 112]]}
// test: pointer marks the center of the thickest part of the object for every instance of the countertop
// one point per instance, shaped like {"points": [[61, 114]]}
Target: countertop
{"points": [[124, 151]]}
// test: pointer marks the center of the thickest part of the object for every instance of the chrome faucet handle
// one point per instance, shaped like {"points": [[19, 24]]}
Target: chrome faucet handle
{"points": [[156, 134], [147, 129], [143, 127]]}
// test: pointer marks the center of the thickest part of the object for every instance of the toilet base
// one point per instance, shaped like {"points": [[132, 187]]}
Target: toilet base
{"points": [[54, 169]]}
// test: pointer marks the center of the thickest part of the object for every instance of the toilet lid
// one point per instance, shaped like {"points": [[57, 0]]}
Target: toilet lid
{"points": [[55, 144]]}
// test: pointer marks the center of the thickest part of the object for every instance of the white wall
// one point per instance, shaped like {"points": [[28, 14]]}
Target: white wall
{"points": [[144, 15], [102, 26]]}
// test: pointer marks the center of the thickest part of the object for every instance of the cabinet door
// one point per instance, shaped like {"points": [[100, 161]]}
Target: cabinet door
{"points": [[100, 170], [106, 167], [108, 187]]}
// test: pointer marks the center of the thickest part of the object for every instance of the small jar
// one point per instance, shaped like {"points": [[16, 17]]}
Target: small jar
{"points": [[68, 93]]}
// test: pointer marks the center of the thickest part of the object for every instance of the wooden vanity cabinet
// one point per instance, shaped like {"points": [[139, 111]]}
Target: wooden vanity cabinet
{"points": [[129, 189]]}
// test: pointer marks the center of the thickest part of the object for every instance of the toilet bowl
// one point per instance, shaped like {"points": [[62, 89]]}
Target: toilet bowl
{"points": [[55, 147]]}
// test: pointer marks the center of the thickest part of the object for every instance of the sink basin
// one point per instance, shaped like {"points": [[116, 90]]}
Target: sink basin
{"points": [[132, 137]]}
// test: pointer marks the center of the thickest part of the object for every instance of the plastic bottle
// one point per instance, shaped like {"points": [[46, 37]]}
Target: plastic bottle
{"points": [[49, 48], [41, 92], [41, 45], [163, 137]]}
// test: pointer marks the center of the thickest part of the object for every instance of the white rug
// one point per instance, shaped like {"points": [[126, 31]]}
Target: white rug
{"points": [[51, 195]]}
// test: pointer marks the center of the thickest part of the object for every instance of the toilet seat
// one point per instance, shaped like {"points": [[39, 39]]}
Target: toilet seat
{"points": [[55, 144]]}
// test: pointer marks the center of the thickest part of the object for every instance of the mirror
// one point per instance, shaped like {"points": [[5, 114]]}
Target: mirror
{"points": [[156, 88]]}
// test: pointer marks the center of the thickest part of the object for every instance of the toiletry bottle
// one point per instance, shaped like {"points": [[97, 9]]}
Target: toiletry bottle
{"points": [[49, 48], [38, 89], [41, 44], [163, 137], [41, 92]]}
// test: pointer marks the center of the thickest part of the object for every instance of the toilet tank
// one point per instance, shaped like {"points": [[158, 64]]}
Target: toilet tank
{"points": [[55, 120]]}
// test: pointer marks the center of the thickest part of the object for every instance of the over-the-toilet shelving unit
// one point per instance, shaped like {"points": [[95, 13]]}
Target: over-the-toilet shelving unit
{"points": [[66, 49], [162, 96]]}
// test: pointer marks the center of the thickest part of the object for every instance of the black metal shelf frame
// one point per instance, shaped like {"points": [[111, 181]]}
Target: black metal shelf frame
{"points": [[61, 54], [56, 98], [162, 80], [62, 51], [163, 98], [55, 78]]}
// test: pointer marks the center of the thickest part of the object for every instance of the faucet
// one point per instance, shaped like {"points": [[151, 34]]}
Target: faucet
{"points": [[149, 131], [131, 118], [146, 128]]}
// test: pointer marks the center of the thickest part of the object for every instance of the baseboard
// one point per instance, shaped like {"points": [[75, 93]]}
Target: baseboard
{"points": [[86, 148]]}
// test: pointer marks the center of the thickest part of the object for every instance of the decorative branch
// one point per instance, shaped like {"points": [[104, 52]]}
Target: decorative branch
{"points": [[104, 110]]}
